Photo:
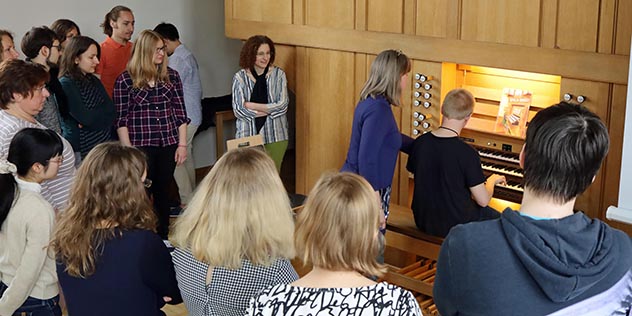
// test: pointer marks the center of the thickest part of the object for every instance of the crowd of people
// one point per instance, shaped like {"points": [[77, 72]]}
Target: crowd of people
{"points": [[92, 136]]}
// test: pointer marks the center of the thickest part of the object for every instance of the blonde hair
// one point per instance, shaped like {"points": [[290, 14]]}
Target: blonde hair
{"points": [[458, 104], [141, 65], [386, 73], [339, 226], [239, 211], [107, 191]]}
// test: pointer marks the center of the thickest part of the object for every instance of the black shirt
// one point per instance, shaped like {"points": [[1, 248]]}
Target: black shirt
{"points": [[445, 169]]}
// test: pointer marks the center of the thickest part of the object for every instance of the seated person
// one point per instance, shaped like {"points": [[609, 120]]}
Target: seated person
{"points": [[450, 187], [544, 258], [338, 232], [235, 236]]}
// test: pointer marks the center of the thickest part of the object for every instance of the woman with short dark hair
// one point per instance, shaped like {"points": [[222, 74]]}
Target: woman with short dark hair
{"points": [[260, 97], [22, 96]]}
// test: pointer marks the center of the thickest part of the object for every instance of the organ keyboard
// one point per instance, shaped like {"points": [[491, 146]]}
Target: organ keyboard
{"points": [[506, 164]]}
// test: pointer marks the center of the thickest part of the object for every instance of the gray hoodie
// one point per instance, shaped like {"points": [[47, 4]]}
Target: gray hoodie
{"points": [[521, 266]]}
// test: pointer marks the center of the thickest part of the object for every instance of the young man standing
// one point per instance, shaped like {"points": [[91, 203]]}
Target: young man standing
{"points": [[117, 48], [183, 61], [450, 187], [40, 45], [544, 258]]}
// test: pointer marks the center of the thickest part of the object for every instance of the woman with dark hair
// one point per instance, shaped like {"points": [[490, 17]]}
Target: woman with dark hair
{"points": [[109, 259], [22, 96], [7, 47], [91, 111], [260, 97], [65, 30], [150, 115], [28, 284]]}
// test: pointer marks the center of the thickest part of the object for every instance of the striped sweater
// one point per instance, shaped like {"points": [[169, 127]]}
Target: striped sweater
{"points": [[56, 191]]}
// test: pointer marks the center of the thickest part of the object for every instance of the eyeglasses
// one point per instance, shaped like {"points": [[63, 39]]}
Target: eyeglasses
{"points": [[160, 49], [58, 160], [147, 183]]}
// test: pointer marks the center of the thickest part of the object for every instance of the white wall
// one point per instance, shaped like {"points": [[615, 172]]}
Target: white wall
{"points": [[200, 22]]}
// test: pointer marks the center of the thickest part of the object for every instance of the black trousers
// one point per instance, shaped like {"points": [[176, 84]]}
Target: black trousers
{"points": [[160, 166]]}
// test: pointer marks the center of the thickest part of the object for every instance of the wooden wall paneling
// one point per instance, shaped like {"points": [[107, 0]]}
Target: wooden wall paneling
{"points": [[385, 15], [298, 14], [361, 15], [433, 17], [499, 21], [279, 11], [623, 28], [286, 59], [607, 20], [330, 103], [612, 165], [330, 13], [597, 100], [567, 63], [302, 120], [578, 17], [548, 23], [410, 12]]}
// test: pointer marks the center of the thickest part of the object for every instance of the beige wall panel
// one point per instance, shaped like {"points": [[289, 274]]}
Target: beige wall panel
{"points": [[597, 100], [286, 59], [432, 18], [501, 21], [298, 12], [302, 119], [330, 13], [548, 23], [329, 105], [607, 18], [624, 28], [577, 17], [279, 11], [612, 165], [385, 15]]}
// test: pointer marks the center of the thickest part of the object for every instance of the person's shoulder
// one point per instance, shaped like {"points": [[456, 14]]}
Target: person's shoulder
{"points": [[33, 203], [475, 234], [277, 70]]}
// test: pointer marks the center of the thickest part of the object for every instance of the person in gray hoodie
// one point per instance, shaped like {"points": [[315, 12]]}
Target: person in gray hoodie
{"points": [[546, 258]]}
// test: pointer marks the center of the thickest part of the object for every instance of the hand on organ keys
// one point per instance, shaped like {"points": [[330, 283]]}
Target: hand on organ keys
{"points": [[497, 179]]}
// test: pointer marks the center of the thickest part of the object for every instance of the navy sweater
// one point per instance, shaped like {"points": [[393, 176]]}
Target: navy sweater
{"points": [[132, 276], [375, 142]]}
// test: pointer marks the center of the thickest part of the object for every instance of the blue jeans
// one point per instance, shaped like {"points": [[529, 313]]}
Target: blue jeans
{"points": [[36, 307]]}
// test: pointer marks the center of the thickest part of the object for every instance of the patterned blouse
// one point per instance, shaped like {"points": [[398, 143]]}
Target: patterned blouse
{"points": [[151, 115], [275, 128], [380, 300], [229, 290]]}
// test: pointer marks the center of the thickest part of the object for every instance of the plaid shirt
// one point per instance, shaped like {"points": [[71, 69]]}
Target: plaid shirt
{"points": [[151, 115], [275, 128]]}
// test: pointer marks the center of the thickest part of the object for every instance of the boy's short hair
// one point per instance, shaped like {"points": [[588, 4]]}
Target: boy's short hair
{"points": [[167, 31], [564, 148], [458, 104], [35, 38]]}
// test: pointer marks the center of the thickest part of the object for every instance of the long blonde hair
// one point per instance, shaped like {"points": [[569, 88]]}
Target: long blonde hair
{"points": [[108, 197], [141, 66], [386, 73], [239, 211], [339, 227]]}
